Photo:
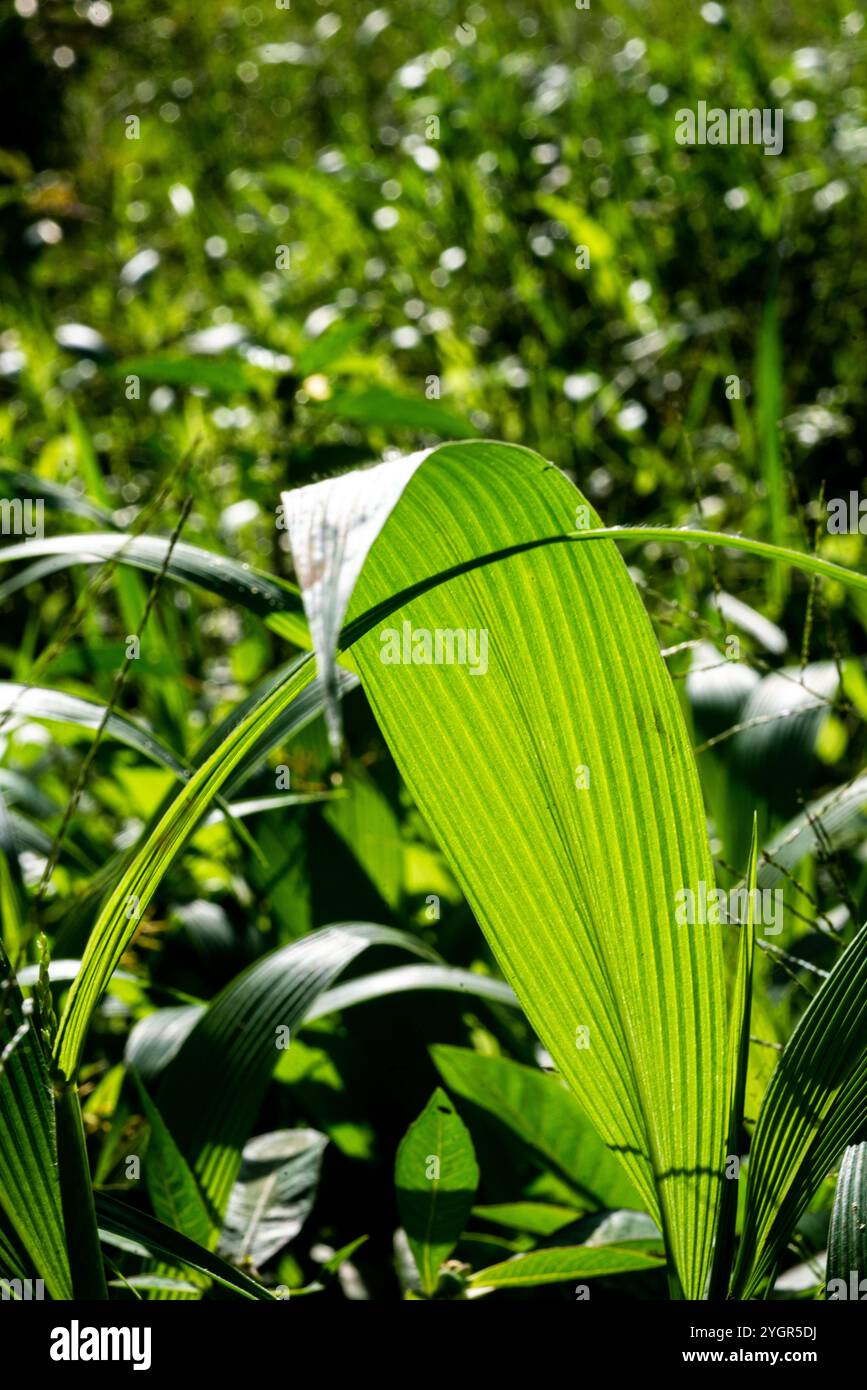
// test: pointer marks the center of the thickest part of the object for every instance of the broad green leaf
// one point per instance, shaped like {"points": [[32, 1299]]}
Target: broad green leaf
{"points": [[575, 885], [143, 1233], [537, 1218], [570, 1262], [546, 1117], [173, 1190], [436, 1176], [227, 1058], [815, 1105], [273, 1196], [29, 1183], [847, 1238]]}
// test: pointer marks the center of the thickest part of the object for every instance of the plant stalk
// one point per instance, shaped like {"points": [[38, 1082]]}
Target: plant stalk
{"points": [[76, 1193]]}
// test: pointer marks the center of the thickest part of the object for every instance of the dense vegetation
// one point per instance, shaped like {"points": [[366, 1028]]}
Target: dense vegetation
{"points": [[335, 951]]}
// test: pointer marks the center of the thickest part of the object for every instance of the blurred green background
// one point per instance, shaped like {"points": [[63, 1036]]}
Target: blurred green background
{"points": [[246, 246], [429, 170]]}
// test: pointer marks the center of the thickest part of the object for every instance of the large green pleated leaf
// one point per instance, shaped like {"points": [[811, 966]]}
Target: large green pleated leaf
{"points": [[29, 1183], [226, 1060], [575, 885], [847, 1237], [816, 1104]]}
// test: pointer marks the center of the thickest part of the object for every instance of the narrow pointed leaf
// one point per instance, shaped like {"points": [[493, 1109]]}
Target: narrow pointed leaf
{"points": [[570, 1262], [436, 1175], [739, 1056], [118, 919], [173, 1190], [273, 600], [161, 1242]]}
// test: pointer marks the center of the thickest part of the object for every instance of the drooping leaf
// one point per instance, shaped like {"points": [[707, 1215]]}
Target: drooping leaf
{"points": [[227, 1058], [37, 702], [839, 816], [143, 1233], [330, 536], [275, 601], [402, 978], [16, 483], [575, 888], [273, 1195], [157, 1037], [436, 1176]]}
